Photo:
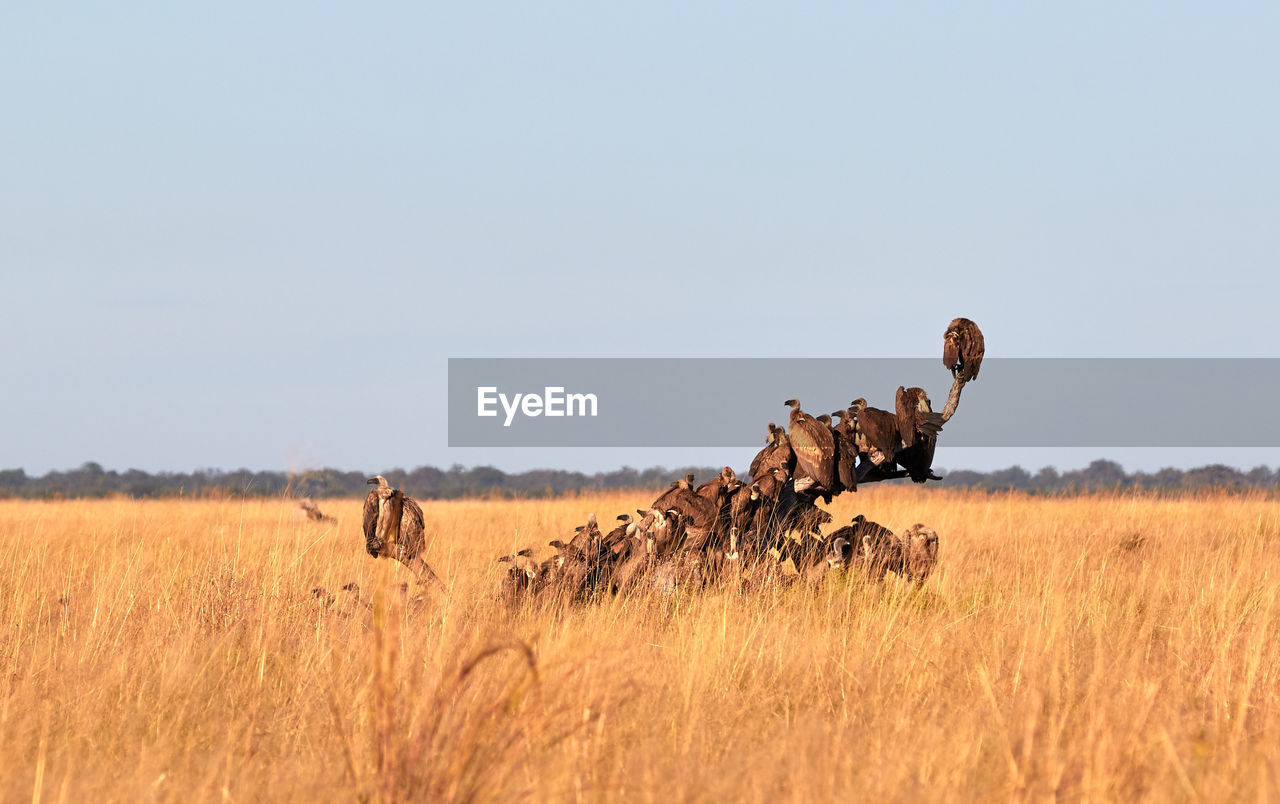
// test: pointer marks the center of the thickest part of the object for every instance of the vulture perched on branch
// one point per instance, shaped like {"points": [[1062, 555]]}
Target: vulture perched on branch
{"points": [[394, 528], [916, 419], [815, 449], [919, 427], [846, 450], [962, 349], [875, 434]]}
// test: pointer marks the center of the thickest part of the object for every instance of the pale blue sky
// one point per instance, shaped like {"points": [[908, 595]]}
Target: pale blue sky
{"points": [[232, 235]]}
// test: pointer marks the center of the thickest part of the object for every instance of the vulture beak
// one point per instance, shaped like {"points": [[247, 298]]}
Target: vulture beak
{"points": [[373, 481]]}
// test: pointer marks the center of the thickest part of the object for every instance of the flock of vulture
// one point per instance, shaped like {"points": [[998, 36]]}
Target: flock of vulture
{"points": [[766, 525]]}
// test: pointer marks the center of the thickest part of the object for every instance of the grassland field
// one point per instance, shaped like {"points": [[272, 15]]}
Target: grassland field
{"points": [[1102, 647]]}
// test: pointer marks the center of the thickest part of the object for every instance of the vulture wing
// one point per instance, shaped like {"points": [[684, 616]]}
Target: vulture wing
{"points": [[846, 467], [371, 524], [664, 500], [906, 404], [759, 462], [879, 429], [950, 349], [702, 511], [975, 348], [930, 423], [778, 456], [413, 530]]}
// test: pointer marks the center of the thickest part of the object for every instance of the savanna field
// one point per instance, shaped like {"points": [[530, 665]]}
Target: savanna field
{"points": [[1099, 647]]}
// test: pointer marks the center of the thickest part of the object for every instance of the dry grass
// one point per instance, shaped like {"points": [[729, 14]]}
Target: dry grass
{"points": [[1097, 647]]}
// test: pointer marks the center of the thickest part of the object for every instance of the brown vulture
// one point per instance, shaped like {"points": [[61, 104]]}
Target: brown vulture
{"points": [[815, 449], [587, 538], [718, 492], [723, 484], [776, 454], [867, 538], [394, 527], [837, 554], [683, 484], [919, 427], [920, 552], [912, 554], [521, 579], [875, 433], [662, 530], [699, 515], [742, 510], [916, 419], [844, 422], [846, 451], [770, 488], [618, 536], [962, 349]]}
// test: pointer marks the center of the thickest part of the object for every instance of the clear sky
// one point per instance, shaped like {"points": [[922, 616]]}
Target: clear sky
{"points": [[251, 234]]}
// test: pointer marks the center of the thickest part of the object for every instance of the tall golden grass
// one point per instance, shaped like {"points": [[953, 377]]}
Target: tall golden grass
{"points": [[1099, 647]]}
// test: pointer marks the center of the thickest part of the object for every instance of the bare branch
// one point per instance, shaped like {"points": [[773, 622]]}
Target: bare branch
{"points": [[953, 398]]}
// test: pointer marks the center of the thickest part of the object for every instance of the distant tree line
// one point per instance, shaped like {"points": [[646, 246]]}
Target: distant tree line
{"points": [[428, 482]]}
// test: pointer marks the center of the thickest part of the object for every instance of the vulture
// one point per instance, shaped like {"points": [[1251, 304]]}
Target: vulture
{"points": [[618, 536], [837, 553], [867, 538], [587, 538], [661, 530], [815, 450], [770, 488], [776, 454], [686, 502], [719, 491], [846, 451], [521, 579], [523, 562], [875, 435], [394, 527], [700, 515], [742, 510], [919, 427], [715, 490], [920, 552], [916, 419], [682, 485], [912, 554], [962, 349]]}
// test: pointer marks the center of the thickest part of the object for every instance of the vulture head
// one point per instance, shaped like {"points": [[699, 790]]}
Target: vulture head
{"points": [[839, 552], [377, 480], [794, 404]]}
